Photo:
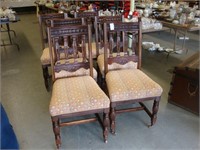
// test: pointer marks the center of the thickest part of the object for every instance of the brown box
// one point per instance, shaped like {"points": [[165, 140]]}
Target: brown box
{"points": [[184, 91]]}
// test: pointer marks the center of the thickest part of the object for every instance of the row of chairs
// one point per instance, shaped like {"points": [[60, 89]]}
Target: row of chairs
{"points": [[75, 91], [96, 29]]}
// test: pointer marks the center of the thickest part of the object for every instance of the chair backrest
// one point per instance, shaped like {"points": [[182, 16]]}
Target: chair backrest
{"points": [[85, 14], [70, 34], [65, 22], [42, 25], [116, 38], [98, 26]]}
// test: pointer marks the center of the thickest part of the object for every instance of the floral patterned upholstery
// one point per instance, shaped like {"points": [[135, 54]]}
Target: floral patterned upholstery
{"points": [[45, 58], [76, 94], [100, 62], [79, 72], [130, 84]]}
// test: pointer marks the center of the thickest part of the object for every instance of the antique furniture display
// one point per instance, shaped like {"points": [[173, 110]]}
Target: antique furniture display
{"points": [[184, 91], [77, 95], [126, 83]]}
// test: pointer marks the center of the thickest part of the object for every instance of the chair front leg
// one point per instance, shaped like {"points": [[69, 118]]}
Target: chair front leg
{"points": [[112, 118], [46, 76], [154, 111], [56, 130], [105, 123]]}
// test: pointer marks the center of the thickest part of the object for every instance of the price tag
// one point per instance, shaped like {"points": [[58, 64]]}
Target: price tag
{"points": [[112, 26]]}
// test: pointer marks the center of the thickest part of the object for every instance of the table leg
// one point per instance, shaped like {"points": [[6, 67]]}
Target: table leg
{"points": [[8, 30], [175, 37], [9, 36], [183, 45]]}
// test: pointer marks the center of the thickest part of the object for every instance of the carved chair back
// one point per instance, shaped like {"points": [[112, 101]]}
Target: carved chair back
{"points": [[43, 26], [116, 38], [70, 34], [63, 22], [85, 14], [98, 25]]}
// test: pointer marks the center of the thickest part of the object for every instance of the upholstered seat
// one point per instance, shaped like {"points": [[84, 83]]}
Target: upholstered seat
{"points": [[82, 96], [125, 82], [75, 92], [121, 88], [79, 72], [45, 57], [114, 66]]}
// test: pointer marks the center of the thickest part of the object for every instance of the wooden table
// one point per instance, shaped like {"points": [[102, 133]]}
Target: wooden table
{"points": [[180, 28]]}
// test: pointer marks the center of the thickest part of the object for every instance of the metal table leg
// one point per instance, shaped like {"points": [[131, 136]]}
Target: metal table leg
{"points": [[10, 39]]}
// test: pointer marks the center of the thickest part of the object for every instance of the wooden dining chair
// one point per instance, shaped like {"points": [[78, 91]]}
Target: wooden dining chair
{"points": [[126, 83], [99, 37], [45, 57], [90, 16], [74, 95]]}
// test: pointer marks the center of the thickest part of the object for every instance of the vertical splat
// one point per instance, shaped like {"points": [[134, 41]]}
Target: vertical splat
{"points": [[133, 44], [118, 43], [74, 46]]}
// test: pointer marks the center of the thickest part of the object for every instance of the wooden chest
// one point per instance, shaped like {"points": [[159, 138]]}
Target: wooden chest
{"points": [[184, 91]]}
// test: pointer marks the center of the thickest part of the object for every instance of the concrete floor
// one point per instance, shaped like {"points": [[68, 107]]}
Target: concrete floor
{"points": [[26, 100]]}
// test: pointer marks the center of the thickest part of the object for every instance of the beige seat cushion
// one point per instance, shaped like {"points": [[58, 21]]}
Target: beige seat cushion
{"points": [[100, 62], [76, 94], [79, 72], [131, 84], [45, 58]]}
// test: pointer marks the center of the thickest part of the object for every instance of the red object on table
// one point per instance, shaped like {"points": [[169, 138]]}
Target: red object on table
{"points": [[135, 13]]}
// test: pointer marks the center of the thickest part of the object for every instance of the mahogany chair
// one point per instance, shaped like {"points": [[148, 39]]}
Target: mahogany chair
{"points": [[126, 83], [91, 17], [52, 20], [76, 94], [99, 37], [45, 57]]}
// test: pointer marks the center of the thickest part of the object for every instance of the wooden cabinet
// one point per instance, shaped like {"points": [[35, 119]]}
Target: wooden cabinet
{"points": [[184, 91]]}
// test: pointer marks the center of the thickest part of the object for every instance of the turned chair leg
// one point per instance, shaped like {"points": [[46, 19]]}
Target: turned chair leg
{"points": [[105, 123], [56, 130], [112, 119], [154, 111], [46, 77]]}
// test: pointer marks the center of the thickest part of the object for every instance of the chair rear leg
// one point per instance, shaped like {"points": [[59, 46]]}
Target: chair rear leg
{"points": [[46, 76], [105, 123], [155, 110], [112, 119], [56, 130]]}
